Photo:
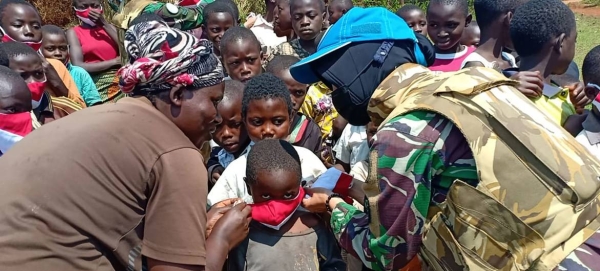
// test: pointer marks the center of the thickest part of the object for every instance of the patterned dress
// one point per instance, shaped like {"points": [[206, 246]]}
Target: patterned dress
{"points": [[420, 155]]}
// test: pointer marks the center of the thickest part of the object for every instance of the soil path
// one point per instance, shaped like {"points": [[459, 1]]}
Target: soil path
{"points": [[581, 8]]}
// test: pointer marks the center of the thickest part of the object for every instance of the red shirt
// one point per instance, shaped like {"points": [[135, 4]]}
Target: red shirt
{"points": [[96, 44]]}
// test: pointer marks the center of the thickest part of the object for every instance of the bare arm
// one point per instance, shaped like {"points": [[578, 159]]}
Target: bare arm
{"points": [[77, 56], [110, 29]]}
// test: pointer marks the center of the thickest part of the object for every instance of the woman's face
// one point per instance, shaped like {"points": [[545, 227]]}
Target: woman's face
{"points": [[197, 115], [22, 23]]}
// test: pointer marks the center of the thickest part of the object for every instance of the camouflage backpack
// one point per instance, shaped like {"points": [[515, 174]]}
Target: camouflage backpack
{"points": [[538, 195]]}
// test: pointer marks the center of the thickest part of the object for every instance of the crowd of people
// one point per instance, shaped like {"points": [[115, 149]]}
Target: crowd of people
{"points": [[317, 136]]}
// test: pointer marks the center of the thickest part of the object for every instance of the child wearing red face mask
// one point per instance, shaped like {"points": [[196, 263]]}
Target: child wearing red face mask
{"points": [[282, 235], [93, 47]]}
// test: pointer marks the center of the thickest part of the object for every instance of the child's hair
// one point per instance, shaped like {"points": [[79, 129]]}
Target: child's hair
{"points": [[3, 58], [52, 29], [343, 3], [487, 11], [407, 8], [219, 6], [320, 2], [13, 49], [233, 89], [281, 63], [238, 33], [146, 17], [462, 5], [537, 22], [590, 70], [271, 155], [6, 3], [234, 8], [265, 86]]}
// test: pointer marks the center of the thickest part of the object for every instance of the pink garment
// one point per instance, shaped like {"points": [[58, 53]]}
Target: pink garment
{"points": [[451, 62]]}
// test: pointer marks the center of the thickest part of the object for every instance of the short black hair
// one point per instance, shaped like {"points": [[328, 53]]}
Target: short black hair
{"points": [[13, 49], [487, 11], [6, 3], [344, 3], [3, 58], [219, 6], [320, 2], [265, 86], [407, 8], [237, 33], [146, 17], [233, 89], [537, 22], [7, 76], [590, 70], [52, 29], [271, 155], [461, 5], [234, 8], [281, 63]]}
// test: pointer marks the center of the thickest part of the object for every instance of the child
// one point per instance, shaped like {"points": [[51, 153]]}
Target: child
{"points": [[547, 47], [22, 13], [282, 235], [494, 22], [282, 20], [305, 132], [307, 20], [590, 135], [230, 135], [241, 54], [55, 46], [266, 113], [218, 17], [15, 107], [337, 8], [472, 35], [28, 63], [414, 17], [446, 21]]}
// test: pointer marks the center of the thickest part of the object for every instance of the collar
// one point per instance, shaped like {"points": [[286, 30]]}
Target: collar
{"points": [[262, 21], [591, 127]]}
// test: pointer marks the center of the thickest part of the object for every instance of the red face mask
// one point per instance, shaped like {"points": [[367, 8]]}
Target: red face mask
{"points": [[189, 3], [84, 15], [275, 213], [37, 91], [13, 127], [35, 45]]}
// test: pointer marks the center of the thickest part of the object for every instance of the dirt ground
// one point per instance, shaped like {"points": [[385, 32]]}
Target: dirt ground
{"points": [[581, 8]]}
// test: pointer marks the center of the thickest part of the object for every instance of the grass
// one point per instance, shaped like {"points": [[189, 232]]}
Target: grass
{"points": [[588, 30]]}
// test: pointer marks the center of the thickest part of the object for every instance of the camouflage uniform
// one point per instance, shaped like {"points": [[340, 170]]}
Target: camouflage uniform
{"points": [[413, 208]]}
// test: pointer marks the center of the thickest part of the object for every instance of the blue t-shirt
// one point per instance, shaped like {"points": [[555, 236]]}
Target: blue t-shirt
{"points": [[85, 84]]}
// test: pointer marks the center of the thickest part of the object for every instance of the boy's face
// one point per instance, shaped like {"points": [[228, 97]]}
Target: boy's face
{"points": [[55, 46], [416, 21], [267, 118], [445, 26], [242, 60], [566, 50], [17, 99], [297, 89], [307, 19], [335, 13], [471, 36], [282, 18], [216, 25], [231, 134], [275, 185], [22, 23], [29, 67]]}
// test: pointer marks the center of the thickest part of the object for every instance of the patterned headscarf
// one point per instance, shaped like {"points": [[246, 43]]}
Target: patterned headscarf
{"points": [[161, 57]]}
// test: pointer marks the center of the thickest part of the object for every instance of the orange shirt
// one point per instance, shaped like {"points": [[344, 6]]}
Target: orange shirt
{"points": [[65, 76]]}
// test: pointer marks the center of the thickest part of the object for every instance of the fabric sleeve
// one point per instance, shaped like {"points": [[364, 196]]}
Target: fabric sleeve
{"points": [[88, 89], [330, 256], [405, 166], [175, 222], [312, 167], [342, 152], [226, 186], [64, 74], [179, 17]]}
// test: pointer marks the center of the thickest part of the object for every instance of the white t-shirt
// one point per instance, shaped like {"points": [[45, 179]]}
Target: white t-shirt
{"points": [[231, 183], [476, 57], [263, 31], [352, 147], [584, 140]]}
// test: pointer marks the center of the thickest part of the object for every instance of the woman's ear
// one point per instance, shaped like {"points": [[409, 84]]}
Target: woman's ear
{"points": [[176, 95]]}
